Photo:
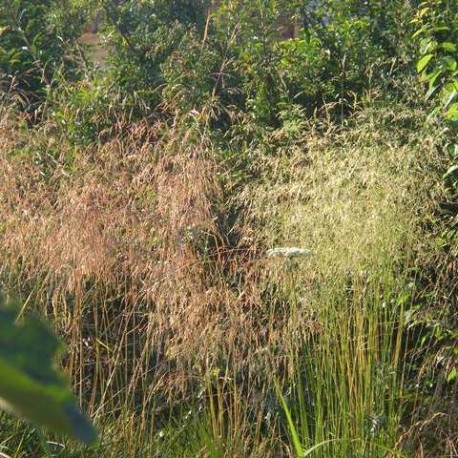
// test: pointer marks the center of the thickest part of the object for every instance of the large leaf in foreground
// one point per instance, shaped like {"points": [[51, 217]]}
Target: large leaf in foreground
{"points": [[30, 387]]}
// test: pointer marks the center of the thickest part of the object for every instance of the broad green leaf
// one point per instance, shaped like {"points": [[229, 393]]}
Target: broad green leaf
{"points": [[423, 62], [448, 46], [449, 63], [419, 32], [440, 28], [423, 11], [451, 86], [427, 46], [30, 387], [452, 113]]}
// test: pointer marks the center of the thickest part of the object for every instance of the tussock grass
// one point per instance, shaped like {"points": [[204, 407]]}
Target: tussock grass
{"points": [[166, 301]]}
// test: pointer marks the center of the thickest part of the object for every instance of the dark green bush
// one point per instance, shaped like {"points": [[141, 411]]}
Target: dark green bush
{"points": [[166, 56], [142, 36], [34, 38]]}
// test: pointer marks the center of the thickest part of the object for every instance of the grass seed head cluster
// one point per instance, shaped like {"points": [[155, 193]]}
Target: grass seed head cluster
{"points": [[128, 245]]}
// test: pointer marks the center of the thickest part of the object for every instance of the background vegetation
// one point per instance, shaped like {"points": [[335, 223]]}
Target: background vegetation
{"points": [[241, 218]]}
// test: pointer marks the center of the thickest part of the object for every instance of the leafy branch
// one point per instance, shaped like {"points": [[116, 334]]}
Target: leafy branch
{"points": [[30, 386]]}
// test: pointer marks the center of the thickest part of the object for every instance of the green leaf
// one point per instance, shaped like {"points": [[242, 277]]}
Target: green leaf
{"points": [[451, 170], [299, 450], [309, 451], [427, 46], [449, 94], [423, 62], [30, 387], [449, 63], [431, 77], [452, 112], [440, 28], [419, 32], [448, 46], [452, 375]]}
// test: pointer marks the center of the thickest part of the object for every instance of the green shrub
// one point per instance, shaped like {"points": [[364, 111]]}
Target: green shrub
{"points": [[33, 43], [142, 36]]}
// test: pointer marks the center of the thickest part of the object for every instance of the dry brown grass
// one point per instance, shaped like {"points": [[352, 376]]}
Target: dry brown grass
{"points": [[126, 255], [137, 218]]}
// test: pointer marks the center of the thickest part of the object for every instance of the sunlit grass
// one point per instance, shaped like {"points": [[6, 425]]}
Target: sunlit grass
{"points": [[184, 338]]}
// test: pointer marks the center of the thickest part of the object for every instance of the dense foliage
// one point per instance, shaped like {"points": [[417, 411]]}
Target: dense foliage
{"points": [[34, 38], [241, 217]]}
